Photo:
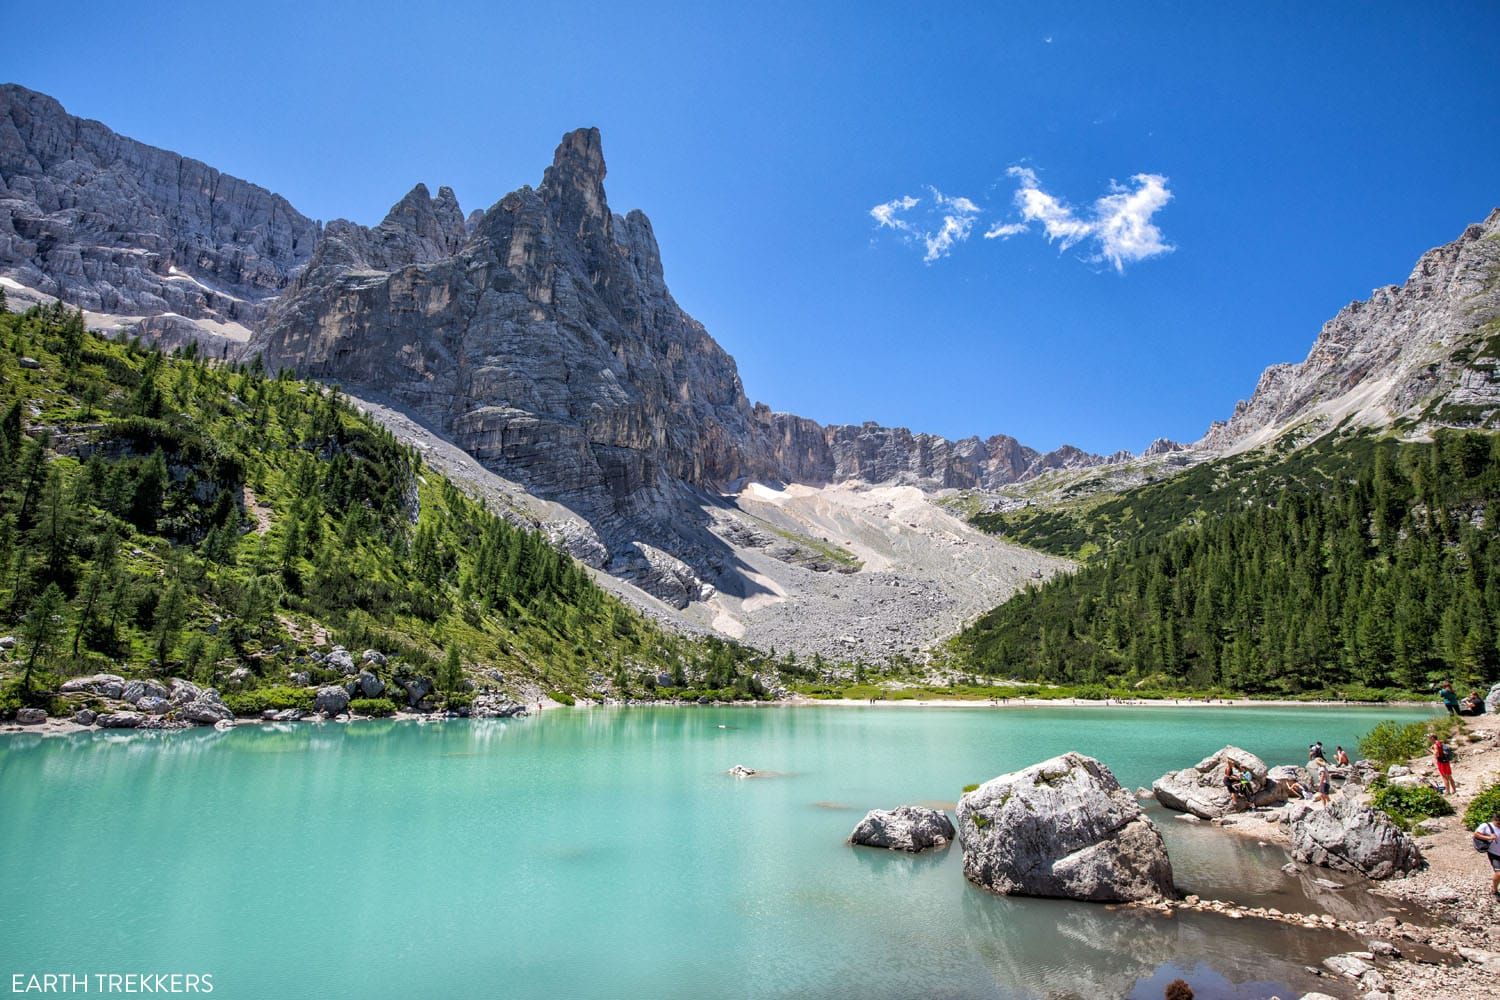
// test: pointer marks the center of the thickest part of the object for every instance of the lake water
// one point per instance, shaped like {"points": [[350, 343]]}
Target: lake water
{"points": [[604, 853]]}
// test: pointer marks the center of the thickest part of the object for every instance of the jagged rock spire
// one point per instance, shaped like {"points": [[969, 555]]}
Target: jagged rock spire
{"points": [[573, 187]]}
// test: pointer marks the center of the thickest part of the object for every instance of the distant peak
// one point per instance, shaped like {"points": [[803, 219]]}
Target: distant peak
{"points": [[574, 184], [580, 148]]}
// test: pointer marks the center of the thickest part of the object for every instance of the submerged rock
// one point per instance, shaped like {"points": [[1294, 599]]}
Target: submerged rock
{"points": [[1200, 789], [1347, 836], [741, 771], [1062, 828], [904, 828]]}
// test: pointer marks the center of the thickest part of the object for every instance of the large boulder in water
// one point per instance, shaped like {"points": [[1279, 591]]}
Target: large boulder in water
{"points": [[1200, 789], [1062, 828], [904, 828], [1347, 836]]}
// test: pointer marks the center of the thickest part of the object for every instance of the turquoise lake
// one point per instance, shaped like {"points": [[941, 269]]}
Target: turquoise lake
{"points": [[604, 853]]}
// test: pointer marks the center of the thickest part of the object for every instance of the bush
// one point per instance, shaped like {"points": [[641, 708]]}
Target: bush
{"points": [[1409, 805], [10, 699], [1392, 743], [277, 697], [377, 707], [561, 697], [458, 700], [1485, 805], [970, 788]]}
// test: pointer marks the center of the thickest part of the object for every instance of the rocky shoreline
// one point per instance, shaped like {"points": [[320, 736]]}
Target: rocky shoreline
{"points": [[1454, 951]]}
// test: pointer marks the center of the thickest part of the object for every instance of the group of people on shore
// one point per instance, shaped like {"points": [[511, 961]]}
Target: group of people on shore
{"points": [[1472, 705]]}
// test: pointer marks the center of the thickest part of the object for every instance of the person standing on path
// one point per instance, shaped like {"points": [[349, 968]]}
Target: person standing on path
{"points": [[1443, 758], [1490, 833]]}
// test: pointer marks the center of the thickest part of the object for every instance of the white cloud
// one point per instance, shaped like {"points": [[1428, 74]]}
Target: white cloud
{"points": [[1005, 230], [958, 222], [1118, 226], [1123, 223], [885, 215], [947, 222]]}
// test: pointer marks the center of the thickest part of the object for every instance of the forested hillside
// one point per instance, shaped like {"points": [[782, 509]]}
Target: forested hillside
{"points": [[174, 517], [1354, 563]]}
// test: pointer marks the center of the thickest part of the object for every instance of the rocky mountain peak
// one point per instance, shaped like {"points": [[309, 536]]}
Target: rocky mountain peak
{"points": [[573, 187], [437, 223], [1162, 446], [116, 226], [1422, 354]]}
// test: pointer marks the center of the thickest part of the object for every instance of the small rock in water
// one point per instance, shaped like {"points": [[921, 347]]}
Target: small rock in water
{"points": [[741, 771], [905, 828], [1349, 966], [1326, 884]]}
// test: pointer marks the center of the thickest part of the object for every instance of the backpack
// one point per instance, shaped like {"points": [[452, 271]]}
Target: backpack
{"points": [[1446, 755], [1483, 846]]}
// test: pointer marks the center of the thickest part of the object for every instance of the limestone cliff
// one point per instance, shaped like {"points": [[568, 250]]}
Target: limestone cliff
{"points": [[542, 339], [116, 226], [1414, 356]]}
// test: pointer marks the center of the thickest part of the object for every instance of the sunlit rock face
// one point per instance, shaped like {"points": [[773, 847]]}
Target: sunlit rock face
{"points": [[116, 226]]}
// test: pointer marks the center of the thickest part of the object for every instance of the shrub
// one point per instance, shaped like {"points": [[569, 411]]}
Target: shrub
{"points": [[561, 697], [10, 699], [378, 707], [277, 697], [458, 700], [1410, 804], [970, 788], [1485, 805], [1392, 743]]}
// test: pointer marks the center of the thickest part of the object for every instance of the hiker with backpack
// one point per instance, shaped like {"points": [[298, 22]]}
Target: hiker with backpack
{"points": [[1487, 839], [1442, 756]]}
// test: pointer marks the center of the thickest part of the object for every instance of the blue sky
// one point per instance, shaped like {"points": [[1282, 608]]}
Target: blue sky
{"points": [[1306, 157]]}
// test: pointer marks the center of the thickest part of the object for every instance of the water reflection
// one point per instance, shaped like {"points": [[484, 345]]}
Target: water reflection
{"points": [[1061, 951]]}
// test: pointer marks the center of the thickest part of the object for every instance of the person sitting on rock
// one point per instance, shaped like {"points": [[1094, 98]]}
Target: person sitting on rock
{"points": [[1231, 781], [1293, 789], [1340, 756], [1472, 705], [1315, 753]]}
